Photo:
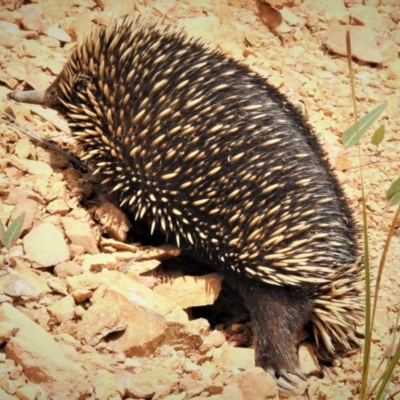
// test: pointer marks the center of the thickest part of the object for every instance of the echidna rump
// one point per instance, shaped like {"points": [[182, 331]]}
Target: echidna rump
{"points": [[208, 152]]}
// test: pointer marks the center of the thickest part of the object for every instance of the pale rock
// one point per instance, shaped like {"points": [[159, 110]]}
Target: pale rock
{"points": [[23, 282], [396, 36], [28, 392], [5, 396], [57, 285], [86, 281], [29, 207], [188, 336], [40, 186], [389, 50], [23, 148], [105, 385], [15, 285], [39, 168], [232, 391], [16, 70], [137, 293], [203, 28], [58, 206], [215, 338], [145, 384], [67, 268], [34, 278], [336, 11], [32, 18], [32, 48], [141, 267], [280, 3], [41, 358], [139, 330], [308, 361], [10, 386], [291, 18], [256, 384], [213, 397], [363, 43], [394, 69], [79, 232], [371, 18], [97, 262], [9, 34], [63, 310], [192, 291], [55, 32], [46, 245], [237, 358], [118, 7], [80, 295]]}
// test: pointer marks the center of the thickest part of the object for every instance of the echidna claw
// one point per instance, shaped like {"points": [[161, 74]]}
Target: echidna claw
{"points": [[283, 373], [286, 377], [298, 372], [279, 382]]}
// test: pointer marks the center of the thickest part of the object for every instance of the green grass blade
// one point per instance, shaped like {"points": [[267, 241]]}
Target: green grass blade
{"points": [[393, 194], [355, 132], [13, 231], [388, 374]]}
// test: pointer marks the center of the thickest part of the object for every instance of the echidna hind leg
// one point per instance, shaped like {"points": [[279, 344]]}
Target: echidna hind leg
{"points": [[278, 314]]}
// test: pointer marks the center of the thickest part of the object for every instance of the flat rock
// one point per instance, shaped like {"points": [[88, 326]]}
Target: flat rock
{"points": [[29, 207], [46, 245], [363, 43], [145, 384], [139, 330], [192, 291], [41, 358], [79, 232], [63, 309], [237, 357], [256, 384], [23, 282]]}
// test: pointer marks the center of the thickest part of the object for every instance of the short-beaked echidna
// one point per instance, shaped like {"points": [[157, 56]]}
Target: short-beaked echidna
{"points": [[211, 154]]}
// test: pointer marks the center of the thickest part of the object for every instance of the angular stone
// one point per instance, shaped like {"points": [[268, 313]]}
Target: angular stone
{"points": [[41, 358], [237, 357], [29, 207], [79, 232], [63, 310], [46, 245], [145, 384], [363, 43], [192, 291], [256, 384], [139, 330]]}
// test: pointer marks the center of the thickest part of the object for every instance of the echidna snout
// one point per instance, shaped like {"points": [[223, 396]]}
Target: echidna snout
{"points": [[208, 152]]}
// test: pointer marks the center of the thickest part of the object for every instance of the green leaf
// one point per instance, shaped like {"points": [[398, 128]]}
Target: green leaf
{"points": [[354, 133], [13, 231], [378, 135], [393, 194]]}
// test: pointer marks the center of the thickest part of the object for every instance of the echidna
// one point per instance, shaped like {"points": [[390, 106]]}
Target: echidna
{"points": [[218, 159]]}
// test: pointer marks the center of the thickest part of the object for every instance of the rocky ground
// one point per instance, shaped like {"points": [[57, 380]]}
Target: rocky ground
{"points": [[84, 315]]}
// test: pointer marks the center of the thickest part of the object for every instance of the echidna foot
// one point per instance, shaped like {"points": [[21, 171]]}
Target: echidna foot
{"points": [[284, 374]]}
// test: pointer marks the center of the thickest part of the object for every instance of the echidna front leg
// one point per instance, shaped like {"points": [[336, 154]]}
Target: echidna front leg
{"points": [[278, 314]]}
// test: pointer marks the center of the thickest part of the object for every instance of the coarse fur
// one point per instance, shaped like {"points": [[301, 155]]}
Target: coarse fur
{"points": [[208, 152]]}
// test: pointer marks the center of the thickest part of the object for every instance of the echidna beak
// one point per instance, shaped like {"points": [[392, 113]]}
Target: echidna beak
{"points": [[30, 96]]}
